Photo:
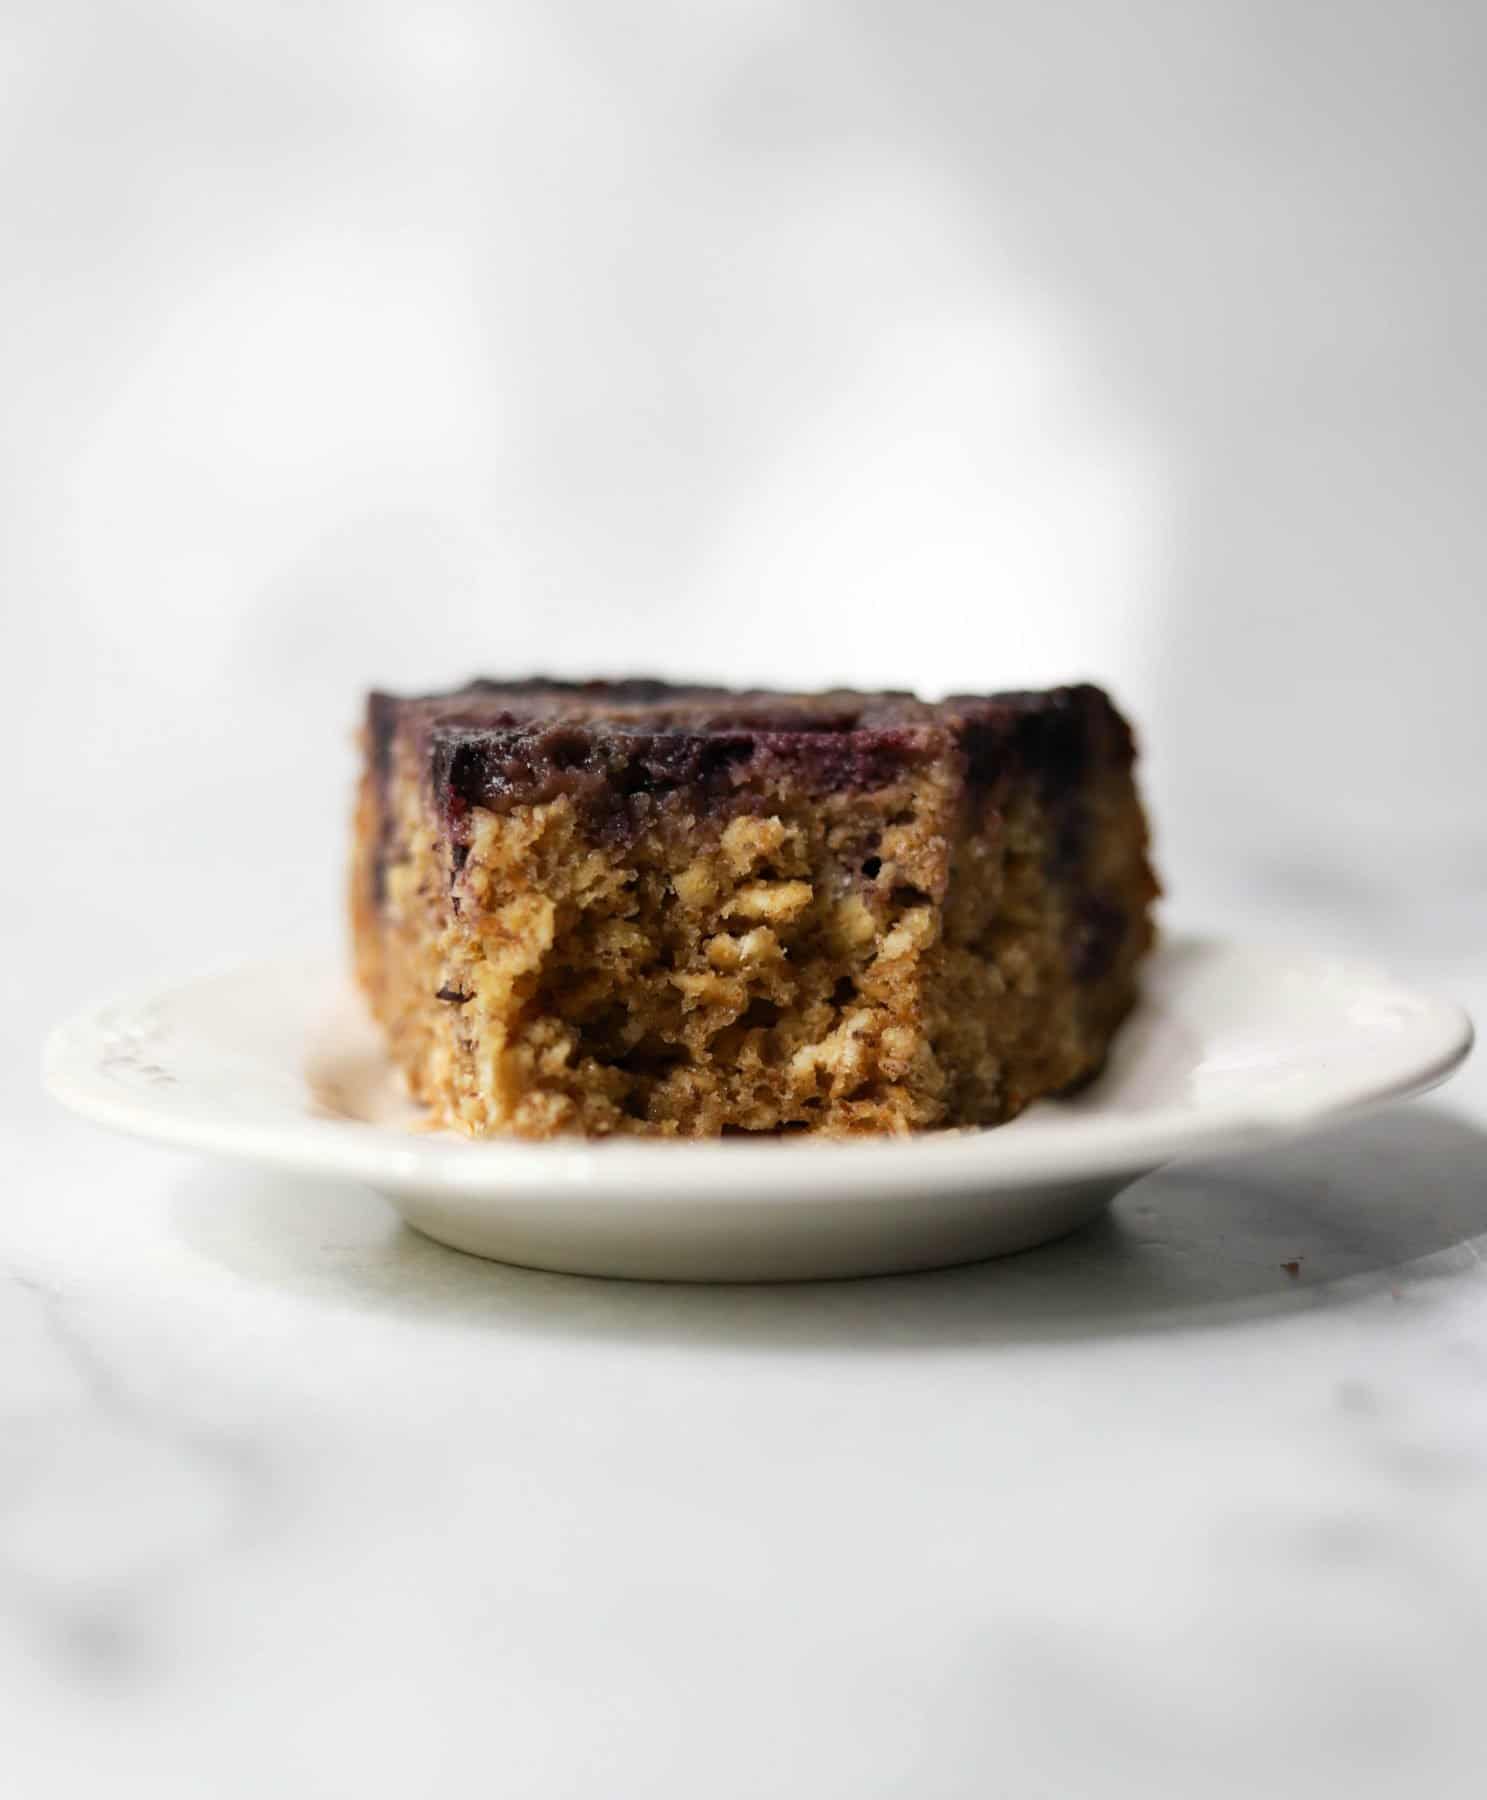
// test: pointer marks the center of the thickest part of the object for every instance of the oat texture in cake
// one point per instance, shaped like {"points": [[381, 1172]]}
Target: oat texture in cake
{"points": [[629, 907]]}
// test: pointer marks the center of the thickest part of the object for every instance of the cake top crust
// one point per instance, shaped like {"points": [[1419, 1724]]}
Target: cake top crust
{"points": [[622, 748], [645, 706]]}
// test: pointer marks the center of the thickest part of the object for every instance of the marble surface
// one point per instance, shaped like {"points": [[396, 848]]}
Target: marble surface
{"points": [[293, 1501]]}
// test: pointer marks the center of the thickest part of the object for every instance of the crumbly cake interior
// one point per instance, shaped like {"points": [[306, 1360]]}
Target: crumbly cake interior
{"points": [[937, 947]]}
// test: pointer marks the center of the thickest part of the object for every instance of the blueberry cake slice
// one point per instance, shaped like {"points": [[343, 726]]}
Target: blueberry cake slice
{"points": [[629, 907]]}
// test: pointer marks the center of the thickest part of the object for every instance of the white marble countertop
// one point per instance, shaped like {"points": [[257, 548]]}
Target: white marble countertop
{"points": [[295, 1502]]}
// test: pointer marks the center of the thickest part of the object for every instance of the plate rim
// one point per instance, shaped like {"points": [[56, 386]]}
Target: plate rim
{"points": [[991, 1158]]}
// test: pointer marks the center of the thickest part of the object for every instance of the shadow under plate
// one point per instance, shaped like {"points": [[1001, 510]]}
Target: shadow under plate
{"points": [[1319, 1222]]}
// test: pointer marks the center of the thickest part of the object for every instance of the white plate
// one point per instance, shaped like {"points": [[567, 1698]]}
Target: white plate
{"points": [[1232, 1045]]}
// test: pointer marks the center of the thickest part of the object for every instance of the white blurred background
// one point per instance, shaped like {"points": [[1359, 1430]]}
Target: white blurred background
{"points": [[958, 346]]}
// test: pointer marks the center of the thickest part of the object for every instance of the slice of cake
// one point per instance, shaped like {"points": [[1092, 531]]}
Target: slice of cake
{"points": [[682, 911]]}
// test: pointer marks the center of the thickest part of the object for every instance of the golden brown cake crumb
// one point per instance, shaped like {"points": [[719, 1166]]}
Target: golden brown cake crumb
{"points": [[681, 912]]}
